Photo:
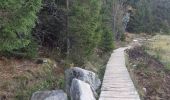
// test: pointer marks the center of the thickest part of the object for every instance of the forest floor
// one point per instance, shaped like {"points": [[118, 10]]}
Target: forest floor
{"points": [[148, 66], [19, 78]]}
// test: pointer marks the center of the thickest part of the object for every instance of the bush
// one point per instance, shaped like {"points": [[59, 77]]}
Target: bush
{"points": [[30, 51]]}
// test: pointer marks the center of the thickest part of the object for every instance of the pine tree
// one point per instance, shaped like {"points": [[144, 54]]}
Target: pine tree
{"points": [[84, 22], [107, 41], [150, 16], [107, 37], [18, 19]]}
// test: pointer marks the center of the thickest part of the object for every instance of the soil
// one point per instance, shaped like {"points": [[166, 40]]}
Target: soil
{"points": [[151, 78]]}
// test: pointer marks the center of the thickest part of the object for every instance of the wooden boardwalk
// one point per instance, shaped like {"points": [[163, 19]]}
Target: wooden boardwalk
{"points": [[117, 84]]}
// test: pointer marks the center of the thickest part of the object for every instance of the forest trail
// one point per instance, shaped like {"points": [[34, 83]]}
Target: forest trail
{"points": [[117, 84]]}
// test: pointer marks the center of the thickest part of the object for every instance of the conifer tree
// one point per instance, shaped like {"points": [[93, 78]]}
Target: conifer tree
{"points": [[107, 38], [84, 22], [18, 18]]}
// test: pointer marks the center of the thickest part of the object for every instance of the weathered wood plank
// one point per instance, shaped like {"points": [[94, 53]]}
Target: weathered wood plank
{"points": [[117, 84]]}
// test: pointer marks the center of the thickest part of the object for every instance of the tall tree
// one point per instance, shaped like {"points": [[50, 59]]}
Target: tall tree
{"points": [[18, 19], [107, 36], [150, 16], [119, 11], [83, 25]]}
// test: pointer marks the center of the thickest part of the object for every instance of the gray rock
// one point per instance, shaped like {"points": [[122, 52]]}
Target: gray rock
{"points": [[81, 91], [81, 74], [49, 95]]}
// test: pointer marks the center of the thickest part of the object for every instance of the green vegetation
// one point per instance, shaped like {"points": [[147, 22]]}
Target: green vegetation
{"points": [[89, 28], [83, 27], [159, 47], [107, 37], [107, 41], [73, 32], [17, 20], [150, 16], [74, 29], [20, 79]]}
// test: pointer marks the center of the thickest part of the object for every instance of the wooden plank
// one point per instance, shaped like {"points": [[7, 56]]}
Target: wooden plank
{"points": [[117, 84]]}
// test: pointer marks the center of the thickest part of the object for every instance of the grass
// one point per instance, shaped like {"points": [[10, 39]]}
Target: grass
{"points": [[20, 78], [46, 81], [159, 46]]}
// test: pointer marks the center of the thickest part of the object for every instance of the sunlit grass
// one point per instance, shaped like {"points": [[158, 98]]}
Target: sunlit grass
{"points": [[159, 46]]}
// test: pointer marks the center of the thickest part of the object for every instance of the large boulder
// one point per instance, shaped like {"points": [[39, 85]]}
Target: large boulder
{"points": [[81, 91], [49, 95], [84, 75]]}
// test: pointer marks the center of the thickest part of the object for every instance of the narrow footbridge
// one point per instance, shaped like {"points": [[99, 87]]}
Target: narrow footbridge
{"points": [[117, 84]]}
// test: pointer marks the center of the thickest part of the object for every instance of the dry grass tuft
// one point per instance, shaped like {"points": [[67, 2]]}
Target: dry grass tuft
{"points": [[159, 46]]}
